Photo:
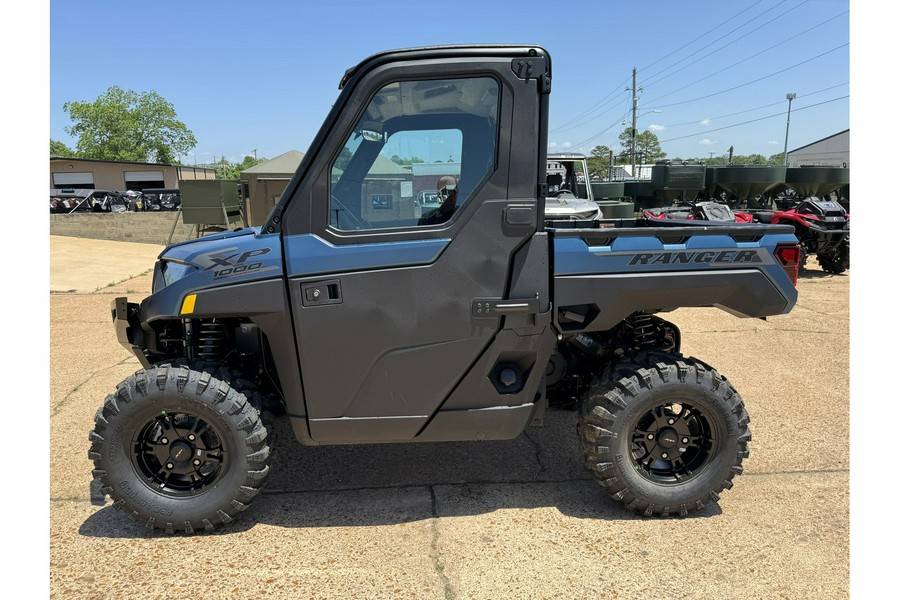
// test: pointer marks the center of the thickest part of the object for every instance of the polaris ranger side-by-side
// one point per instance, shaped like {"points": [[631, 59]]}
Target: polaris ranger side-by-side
{"points": [[364, 321]]}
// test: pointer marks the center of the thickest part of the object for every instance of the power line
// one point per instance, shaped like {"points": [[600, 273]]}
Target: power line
{"points": [[603, 101], [579, 119], [731, 89], [772, 116], [789, 39], [597, 135], [740, 112], [649, 80], [701, 36], [599, 104]]}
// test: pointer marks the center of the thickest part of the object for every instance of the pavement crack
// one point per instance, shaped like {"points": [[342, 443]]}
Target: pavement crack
{"points": [[538, 455], [820, 312], [68, 395], [449, 594]]}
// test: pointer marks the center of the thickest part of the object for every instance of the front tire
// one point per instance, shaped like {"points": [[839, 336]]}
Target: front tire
{"points": [[836, 260], [179, 450], [664, 434]]}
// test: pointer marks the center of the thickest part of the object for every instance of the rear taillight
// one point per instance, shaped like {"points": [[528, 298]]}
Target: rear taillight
{"points": [[788, 256]]}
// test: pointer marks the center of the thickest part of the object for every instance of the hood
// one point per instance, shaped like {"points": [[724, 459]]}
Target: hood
{"points": [[189, 250]]}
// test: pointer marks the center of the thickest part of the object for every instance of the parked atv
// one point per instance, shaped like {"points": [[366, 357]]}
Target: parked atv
{"points": [[699, 211], [821, 226]]}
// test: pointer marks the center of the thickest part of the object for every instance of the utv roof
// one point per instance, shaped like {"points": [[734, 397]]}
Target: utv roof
{"points": [[511, 50], [75, 192]]}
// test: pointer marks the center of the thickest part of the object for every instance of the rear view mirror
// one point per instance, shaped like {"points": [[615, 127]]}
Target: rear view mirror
{"points": [[371, 131]]}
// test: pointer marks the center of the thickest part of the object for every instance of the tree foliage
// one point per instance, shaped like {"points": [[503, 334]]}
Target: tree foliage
{"points": [[229, 170], [406, 161], [59, 149], [130, 126], [739, 159], [646, 146], [598, 162]]}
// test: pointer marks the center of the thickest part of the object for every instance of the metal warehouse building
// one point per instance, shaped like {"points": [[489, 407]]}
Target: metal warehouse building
{"points": [[833, 151], [120, 176]]}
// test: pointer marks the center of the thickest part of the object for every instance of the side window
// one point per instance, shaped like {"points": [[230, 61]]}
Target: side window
{"points": [[416, 155]]}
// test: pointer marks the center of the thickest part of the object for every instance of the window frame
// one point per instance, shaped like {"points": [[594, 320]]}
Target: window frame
{"points": [[446, 122], [309, 203]]}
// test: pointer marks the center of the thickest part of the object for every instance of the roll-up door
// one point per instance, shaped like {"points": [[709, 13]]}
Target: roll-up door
{"points": [[139, 180], [73, 180]]}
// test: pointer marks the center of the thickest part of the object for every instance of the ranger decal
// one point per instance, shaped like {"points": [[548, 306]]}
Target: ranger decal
{"points": [[700, 256]]}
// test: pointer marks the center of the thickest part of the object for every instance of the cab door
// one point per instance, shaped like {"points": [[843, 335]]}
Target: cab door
{"points": [[393, 301]]}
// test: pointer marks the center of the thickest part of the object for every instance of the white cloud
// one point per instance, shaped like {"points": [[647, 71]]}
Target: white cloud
{"points": [[706, 142], [655, 127], [773, 142], [706, 121]]}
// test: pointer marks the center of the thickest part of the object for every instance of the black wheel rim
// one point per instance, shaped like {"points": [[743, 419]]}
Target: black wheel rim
{"points": [[179, 454], [672, 443]]}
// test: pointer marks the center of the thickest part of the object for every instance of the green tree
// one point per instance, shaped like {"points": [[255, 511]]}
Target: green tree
{"points": [[646, 146], [59, 149], [125, 125], [230, 170], [406, 161], [777, 160], [598, 162]]}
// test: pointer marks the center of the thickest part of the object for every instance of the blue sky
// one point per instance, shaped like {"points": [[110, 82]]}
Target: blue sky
{"points": [[262, 76]]}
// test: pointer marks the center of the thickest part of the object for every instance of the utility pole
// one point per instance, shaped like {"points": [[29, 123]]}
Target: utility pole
{"points": [[634, 119]]}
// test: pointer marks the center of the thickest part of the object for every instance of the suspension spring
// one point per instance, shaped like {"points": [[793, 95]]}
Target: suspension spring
{"points": [[642, 331], [211, 340]]}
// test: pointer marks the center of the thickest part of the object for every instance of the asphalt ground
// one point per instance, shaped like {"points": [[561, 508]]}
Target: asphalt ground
{"points": [[514, 519]]}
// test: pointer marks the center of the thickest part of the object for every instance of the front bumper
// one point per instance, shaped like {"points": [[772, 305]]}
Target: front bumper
{"points": [[127, 321]]}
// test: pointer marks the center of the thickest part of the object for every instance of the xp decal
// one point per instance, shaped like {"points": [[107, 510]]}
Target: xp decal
{"points": [[228, 262]]}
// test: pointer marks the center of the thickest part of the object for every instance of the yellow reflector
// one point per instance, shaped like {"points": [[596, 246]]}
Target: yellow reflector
{"points": [[187, 306]]}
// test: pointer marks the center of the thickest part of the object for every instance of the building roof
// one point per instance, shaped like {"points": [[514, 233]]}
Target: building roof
{"points": [[819, 141], [283, 164], [125, 162], [385, 166]]}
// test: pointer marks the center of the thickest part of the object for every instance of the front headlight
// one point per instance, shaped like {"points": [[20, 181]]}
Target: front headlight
{"points": [[168, 272]]}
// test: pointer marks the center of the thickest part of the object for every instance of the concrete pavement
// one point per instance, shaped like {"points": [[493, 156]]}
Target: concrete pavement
{"points": [[516, 519], [83, 265]]}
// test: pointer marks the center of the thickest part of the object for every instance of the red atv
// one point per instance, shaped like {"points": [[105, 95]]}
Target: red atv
{"points": [[821, 226], [698, 211]]}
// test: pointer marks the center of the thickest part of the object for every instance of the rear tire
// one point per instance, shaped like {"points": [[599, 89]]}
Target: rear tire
{"points": [[179, 450], [664, 434]]}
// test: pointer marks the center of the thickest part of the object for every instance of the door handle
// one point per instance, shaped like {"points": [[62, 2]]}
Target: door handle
{"points": [[317, 293], [495, 307]]}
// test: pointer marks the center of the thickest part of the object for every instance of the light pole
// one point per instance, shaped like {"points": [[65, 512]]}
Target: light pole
{"points": [[790, 98]]}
